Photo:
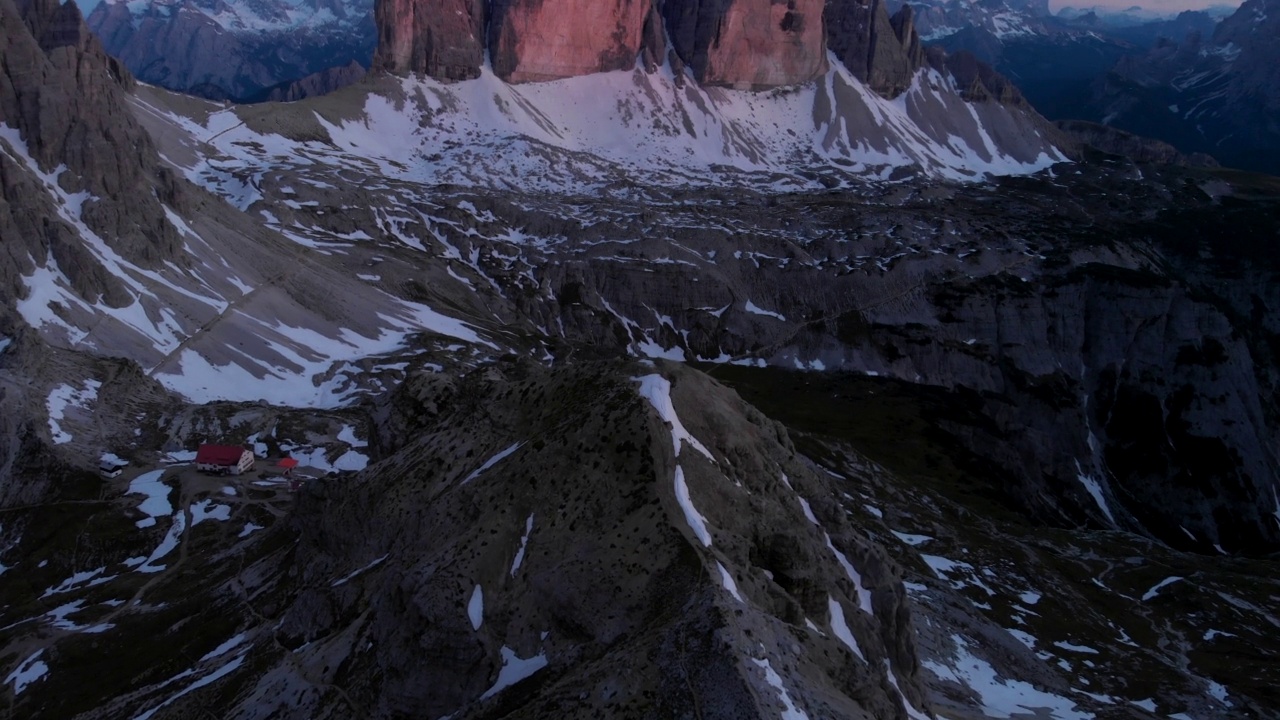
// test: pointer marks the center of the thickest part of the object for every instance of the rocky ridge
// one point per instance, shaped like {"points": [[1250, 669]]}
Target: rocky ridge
{"points": [[321, 83], [1140, 149], [588, 431], [59, 110], [881, 51]]}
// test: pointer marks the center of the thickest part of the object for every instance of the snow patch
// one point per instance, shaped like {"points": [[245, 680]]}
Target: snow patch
{"points": [[1001, 698], [167, 545], [27, 672], [524, 543], [757, 310], [727, 581], [691, 515], [157, 503], [475, 608], [910, 539], [841, 628], [514, 669], [86, 578], [502, 455], [657, 390], [63, 397], [1155, 590], [206, 510], [789, 709]]}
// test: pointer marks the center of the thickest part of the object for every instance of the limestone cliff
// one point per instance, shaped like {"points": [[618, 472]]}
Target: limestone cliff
{"points": [[441, 38], [530, 41], [58, 94], [748, 44], [882, 52]]}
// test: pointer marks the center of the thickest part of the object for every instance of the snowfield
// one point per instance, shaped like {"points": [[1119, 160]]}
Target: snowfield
{"points": [[585, 134]]}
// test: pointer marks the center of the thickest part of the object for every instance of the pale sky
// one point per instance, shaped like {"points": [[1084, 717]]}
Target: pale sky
{"points": [[1161, 6]]}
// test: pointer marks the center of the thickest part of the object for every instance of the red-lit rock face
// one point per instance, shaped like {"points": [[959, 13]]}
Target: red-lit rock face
{"points": [[749, 44], [441, 38], [535, 40]]}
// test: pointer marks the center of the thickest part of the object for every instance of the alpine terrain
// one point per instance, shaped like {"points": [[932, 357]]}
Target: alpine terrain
{"points": [[238, 49], [1198, 87], [619, 359], [1218, 93]]}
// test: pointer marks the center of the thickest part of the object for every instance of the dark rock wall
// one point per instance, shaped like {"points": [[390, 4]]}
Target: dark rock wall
{"points": [[867, 41], [64, 97], [441, 38]]}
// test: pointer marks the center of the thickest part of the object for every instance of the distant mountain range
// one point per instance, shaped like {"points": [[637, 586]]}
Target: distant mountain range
{"points": [[1202, 81], [1218, 94], [238, 50]]}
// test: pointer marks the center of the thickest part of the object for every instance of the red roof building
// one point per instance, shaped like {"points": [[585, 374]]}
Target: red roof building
{"points": [[227, 459]]}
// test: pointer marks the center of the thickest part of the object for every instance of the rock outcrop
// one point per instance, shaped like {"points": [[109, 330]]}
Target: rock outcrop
{"points": [[531, 41], [1135, 147], [748, 44], [575, 548], [882, 52], [60, 99], [321, 83], [977, 81], [440, 38]]}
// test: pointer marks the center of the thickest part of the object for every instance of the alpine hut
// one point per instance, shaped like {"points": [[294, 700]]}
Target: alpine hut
{"points": [[224, 459]]}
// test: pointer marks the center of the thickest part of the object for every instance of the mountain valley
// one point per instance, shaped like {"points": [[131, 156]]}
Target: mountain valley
{"points": [[638, 376]]}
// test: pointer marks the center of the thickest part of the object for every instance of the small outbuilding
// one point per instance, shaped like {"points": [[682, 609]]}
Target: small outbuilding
{"points": [[224, 459], [111, 465]]}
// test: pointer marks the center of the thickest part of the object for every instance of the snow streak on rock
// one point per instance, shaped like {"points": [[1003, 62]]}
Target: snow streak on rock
{"points": [[524, 543], [475, 608], [657, 390], [726, 580], [514, 669], [841, 628], [502, 455], [789, 709], [1094, 488], [697, 523], [341, 581], [27, 672], [1154, 591], [1001, 698]]}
